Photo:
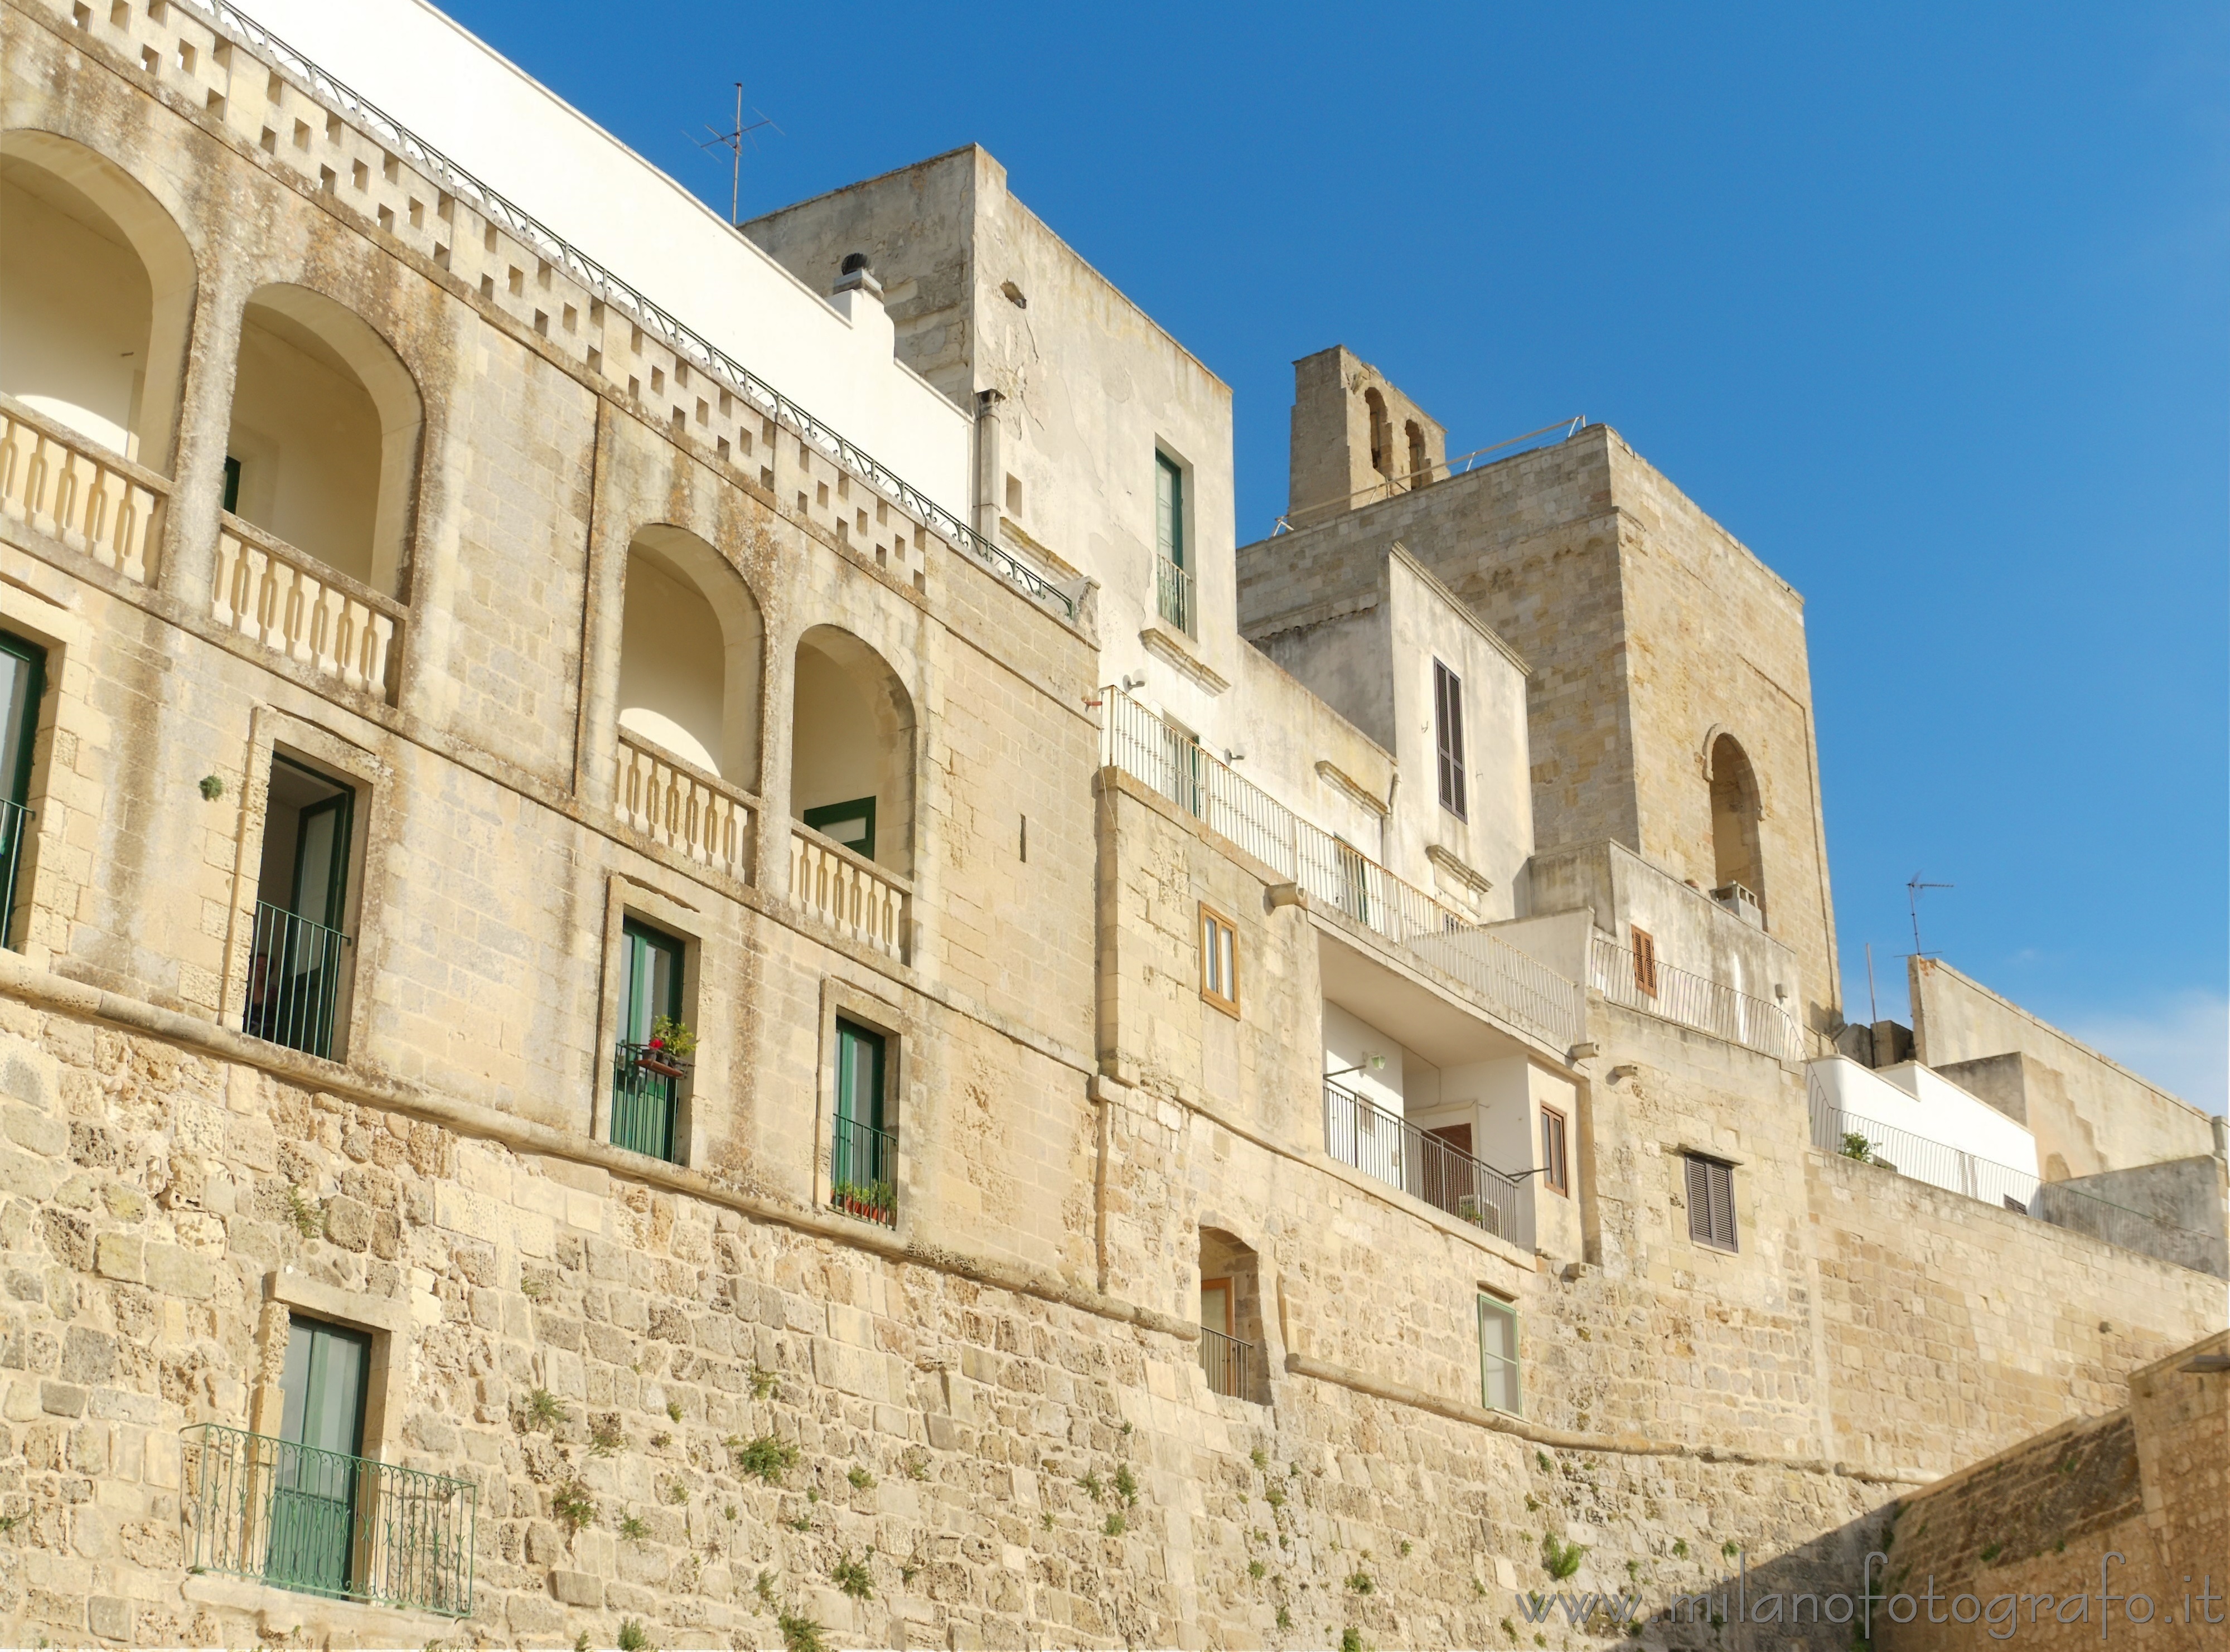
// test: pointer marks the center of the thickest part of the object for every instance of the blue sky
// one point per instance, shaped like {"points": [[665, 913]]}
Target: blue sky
{"points": [[1926, 305]]}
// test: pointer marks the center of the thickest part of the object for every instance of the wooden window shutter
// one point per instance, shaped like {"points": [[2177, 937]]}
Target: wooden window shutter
{"points": [[1448, 725], [1644, 962], [1712, 1203]]}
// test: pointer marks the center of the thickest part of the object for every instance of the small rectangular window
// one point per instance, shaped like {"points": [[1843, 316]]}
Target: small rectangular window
{"points": [[863, 1154], [1500, 1389], [1555, 1175], [1168, 509], [1448, 725], [298, 963], [851, 823], [1219, 960], [22, 686], [1644, 962], [1710, 1202], [654, 1053]]}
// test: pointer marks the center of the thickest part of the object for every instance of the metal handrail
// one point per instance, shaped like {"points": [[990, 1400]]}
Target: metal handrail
{"points": [[646, 1104], [1360, 1133], [325, 1523], [1407, 482], [1228, 1362], [1693, 1001], [863, 1165], [293, 980], [678, 336], [1173, 595]]}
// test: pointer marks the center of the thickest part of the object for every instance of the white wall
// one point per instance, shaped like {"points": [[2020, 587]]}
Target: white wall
{"points": [[458, 94], [307, 436], [1913, 1098], [75, 307], [1348, 1040], [672, 667]]}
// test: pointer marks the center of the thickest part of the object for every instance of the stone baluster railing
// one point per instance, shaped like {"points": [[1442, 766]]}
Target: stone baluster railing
{"points": [[296, 606], [70, 488], [682, 806], [849, 892]]}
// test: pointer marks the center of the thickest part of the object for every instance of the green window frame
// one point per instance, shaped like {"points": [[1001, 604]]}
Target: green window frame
{"points": [[232, 485], [646, 1104], [1500, 1388], [861, 809], [22, 693], [315, 1479], [1168, 509], [863, 1149]]}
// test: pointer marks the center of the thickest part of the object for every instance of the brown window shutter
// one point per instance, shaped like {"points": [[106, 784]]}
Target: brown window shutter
{"points": [[1699, 1199], [1644, 962]]}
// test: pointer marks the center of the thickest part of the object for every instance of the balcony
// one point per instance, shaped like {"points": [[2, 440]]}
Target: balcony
{"points": [[684, 807], [70, 488], [849, 892], [646, 1100], [321, 1523], [296, 606], [1233, 1368], [1173, 595], [294, 979], [1659, 989], [863, 1165], [1338, 877], [1388, 1147]]}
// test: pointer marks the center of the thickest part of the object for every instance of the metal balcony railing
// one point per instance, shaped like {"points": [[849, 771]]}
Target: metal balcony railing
{"points": [[1229, 1363], [687, 345], [863, 1169], [293, 980], [1173, 595], [1340, 876], [1385, 1146], [646, 1101], [327, 1524], [1657, 988], [15, 827], [1936, 1162]]}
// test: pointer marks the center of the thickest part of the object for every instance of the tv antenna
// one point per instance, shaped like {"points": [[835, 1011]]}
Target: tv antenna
{"points": [[1913, 891], [733, 141]]}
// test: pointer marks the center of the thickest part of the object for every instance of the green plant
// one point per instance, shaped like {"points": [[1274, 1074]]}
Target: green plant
{"points": [[852, 1576], [309, 1221], [1046, 1519], [533, 1288], [1511, 1629], [1259, 1457], [212, 787], [813, 1494], [1730, 1548], [1634, 1572], [633, 1528], [1991, 1552], [581, 1642], [1091, 1484], [864, 1195], [1275, 1496], [1532, 1503], [1855, 1146], [1560, 1561], [1540, 1639], [800, 1633], [632, 1639], [672, 1036], [766, 1457], [676, 1493], [572, 1503], [606, 1436], [860, 1478], [1404, 1549], [916, 1466], [1257, 1570], [543, 1409], [1350, 1639], [660, 1440], [802, 1523], [1680, 1548], [1541, 1460], [1359, 1582], [728, 1512], [762, 1381], [765, 1587], [673, 1409], [1114, 1527], [1285, 1618], [1126, 1484]]}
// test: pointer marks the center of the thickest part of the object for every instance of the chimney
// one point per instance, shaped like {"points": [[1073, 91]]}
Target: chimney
{"points": [[858, 297]]}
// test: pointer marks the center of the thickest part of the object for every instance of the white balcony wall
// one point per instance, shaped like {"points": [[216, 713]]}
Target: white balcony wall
{"points": [[76, 310], [1916, 1099]]}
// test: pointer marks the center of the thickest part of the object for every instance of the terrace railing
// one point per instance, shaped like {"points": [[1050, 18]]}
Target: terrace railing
{"points": [[1173, 595], [293, 980], [1229, 1363], [1657, 988], [646, 1101], [324, 1523], [1338, 874], [863, 1172], [71, 488], [1384, 1145]]}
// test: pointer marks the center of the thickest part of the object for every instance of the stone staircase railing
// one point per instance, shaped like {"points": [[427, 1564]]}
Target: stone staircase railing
{"points": [[70, 488], [296, 606], [679, 804]]}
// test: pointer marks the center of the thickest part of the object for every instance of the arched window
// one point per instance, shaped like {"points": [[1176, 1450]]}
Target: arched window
{"points": [[852, 733], [1382, 433], [1231, 1348], [689, 645], [96, 292], [1735, 819], [323, 451], [1420, 464]]}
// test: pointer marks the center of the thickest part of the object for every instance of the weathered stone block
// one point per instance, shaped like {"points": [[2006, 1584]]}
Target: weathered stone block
{"points": [[577, 1588]]}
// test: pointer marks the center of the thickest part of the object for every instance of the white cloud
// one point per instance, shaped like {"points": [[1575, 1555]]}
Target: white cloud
{"points": [[2184, 1045]]}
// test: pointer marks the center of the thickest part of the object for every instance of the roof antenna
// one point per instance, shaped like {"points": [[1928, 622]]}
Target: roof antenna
{"points": [[1912, 889], [733, 141]]}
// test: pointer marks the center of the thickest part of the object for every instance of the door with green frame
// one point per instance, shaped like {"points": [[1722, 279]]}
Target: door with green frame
{"points": [[863, 1152], [22, 685], [647, 1084], [317, 1467], [294, 992]]}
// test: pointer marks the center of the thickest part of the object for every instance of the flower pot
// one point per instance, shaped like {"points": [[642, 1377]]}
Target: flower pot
{"points": [[665, 1065]]}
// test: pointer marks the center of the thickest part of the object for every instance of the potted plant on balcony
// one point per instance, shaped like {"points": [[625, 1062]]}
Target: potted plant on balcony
{"points": [[875, 1201], [668, 1054]]}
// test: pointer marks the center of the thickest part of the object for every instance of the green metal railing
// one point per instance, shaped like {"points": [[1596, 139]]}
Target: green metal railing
{"points": [[645, 1102], [1173, 595], [324, 1523], [863, 1172], [14, 826], [293, 980]]}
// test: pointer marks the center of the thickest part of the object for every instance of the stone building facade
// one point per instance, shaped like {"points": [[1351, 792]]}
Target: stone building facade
{"points": [[612, 1015]]}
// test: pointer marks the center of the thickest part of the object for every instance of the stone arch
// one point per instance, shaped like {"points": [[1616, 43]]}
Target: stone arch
{"points": [[97, 286], [323, 445], [692, 653], [1234, 1351], [1382, 432], [852, 743], [1737, 853], [1420, 460]]}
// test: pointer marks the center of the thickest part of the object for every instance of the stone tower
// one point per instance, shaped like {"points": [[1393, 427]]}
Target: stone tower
{"points": [[1356, 438]]}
